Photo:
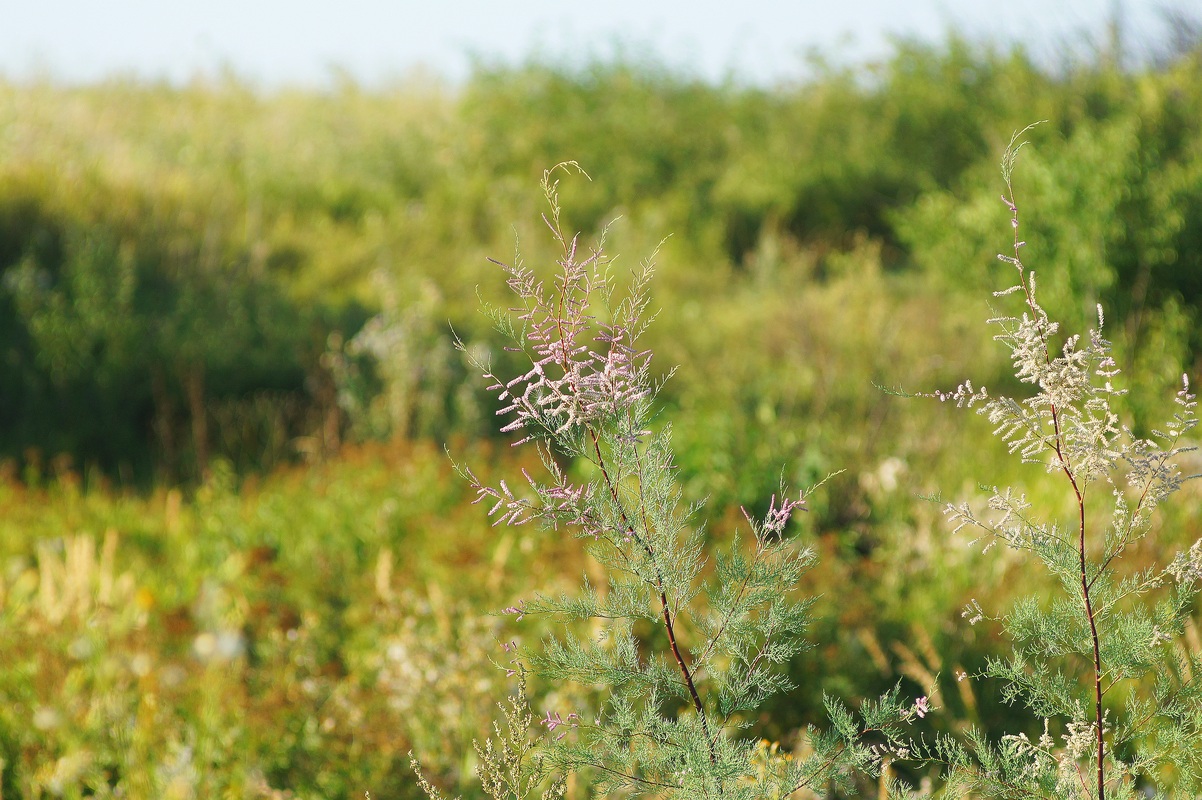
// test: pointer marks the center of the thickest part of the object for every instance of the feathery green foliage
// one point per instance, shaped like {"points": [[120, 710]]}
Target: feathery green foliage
{"points": [[1097, 661], [678, 650]]}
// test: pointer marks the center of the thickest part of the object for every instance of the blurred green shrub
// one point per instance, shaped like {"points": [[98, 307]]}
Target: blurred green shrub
{"points": [[118, 338], [176, 259]]}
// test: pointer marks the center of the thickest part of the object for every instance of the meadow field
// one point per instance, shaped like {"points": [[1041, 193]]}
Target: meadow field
{"points": [[235, 557]]}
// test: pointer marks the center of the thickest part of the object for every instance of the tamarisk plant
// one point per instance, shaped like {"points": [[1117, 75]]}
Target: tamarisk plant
{"points": [[511, 765], [681, 646], [1120, 703]]}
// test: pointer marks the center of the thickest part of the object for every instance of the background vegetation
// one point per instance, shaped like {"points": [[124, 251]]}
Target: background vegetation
{"points": [[235, 559]]}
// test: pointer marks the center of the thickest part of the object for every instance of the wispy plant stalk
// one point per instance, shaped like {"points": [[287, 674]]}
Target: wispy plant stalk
{"points": [[1071, 426], [672, 705]]}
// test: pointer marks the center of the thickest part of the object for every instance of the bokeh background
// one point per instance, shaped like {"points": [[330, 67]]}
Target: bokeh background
{"points": [[237, 244]]}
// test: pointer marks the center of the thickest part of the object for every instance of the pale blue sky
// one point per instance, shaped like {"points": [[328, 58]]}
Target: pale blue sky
{"points": [[274, 42]]}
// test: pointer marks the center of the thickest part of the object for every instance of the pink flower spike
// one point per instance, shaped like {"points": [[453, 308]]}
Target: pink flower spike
{"points": [[921, 707]]}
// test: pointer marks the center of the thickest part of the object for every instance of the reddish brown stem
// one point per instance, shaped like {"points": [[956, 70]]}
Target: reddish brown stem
{"points": [[669, 622], [1068, 473], [1089, 613], [1081, 533]]}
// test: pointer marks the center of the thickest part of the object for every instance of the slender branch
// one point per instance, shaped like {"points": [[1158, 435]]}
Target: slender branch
{"points": [[726, 620], [1138, 507], [659, 584], [1097, 653], [1066, 468], [669, 622], [627, 776]]}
